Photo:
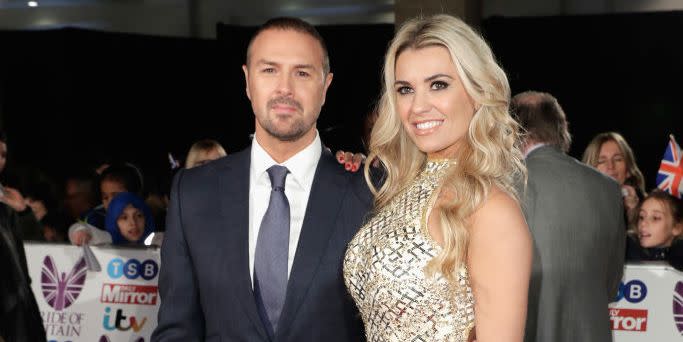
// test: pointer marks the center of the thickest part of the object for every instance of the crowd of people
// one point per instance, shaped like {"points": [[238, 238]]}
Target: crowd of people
{"points": [[654, 219], [468, 220], [82, 214]]}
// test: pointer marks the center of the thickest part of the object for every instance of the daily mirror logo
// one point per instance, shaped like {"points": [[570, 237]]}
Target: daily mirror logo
{"points": [[628, 319], [129, 294], [59, 289]]}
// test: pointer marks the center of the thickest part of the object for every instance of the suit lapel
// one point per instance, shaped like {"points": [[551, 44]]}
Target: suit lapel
{"points": [[234, 183], [323, 206]]}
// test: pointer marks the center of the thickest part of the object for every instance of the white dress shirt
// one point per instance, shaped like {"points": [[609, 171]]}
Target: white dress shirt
{"points": [[298, 184]]}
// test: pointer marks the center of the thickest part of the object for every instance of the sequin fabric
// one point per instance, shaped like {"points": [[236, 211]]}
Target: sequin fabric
{"points": [[384, 272]]}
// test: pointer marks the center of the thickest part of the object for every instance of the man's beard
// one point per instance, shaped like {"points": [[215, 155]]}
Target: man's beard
{"points": [[292, 133]]}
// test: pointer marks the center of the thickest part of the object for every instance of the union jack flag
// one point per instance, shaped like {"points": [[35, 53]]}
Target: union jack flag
{"points": [[670, 175]]}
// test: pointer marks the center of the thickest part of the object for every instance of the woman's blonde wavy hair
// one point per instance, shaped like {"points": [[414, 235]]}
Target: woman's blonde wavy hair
{"points": [[490, 156]]}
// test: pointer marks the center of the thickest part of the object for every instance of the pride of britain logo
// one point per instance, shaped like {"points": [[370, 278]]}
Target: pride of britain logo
{"points": [[678, 306], [59, 289]]}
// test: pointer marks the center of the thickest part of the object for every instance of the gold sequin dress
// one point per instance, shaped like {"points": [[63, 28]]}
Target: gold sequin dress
{"points": [[384, 272]]}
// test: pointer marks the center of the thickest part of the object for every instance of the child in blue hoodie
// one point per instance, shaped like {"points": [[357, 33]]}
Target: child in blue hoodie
{"points": [[128, 222]]}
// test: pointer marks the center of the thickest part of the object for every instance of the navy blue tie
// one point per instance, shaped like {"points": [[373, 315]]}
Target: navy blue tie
{"points": [[272, 247]]}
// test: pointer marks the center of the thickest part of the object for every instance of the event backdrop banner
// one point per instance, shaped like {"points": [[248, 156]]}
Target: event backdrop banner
{"points": [[649, 305], [118, 303]]}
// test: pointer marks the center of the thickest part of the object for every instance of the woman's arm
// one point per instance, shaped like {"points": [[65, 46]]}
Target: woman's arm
{"points": [[499, 264]]}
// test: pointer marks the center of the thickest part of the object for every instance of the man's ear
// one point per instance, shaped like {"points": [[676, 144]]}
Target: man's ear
{"points": [[328, 81], [246, 79]]}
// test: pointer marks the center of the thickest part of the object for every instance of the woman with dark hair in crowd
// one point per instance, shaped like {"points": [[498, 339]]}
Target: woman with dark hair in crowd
{"points": [[14, 203], [19, 315], [610, 154]]}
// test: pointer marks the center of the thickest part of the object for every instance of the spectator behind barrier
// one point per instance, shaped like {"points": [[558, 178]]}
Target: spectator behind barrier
{"points": [[42, 200], [19, 314], [610, 154], [15, 204], [128, 221], [657, 231], [55, 226], [204, 151], [79, 194], [115, 179]]}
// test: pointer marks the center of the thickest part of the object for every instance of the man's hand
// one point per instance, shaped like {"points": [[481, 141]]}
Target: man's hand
{"points": [[13, 198], [351, 161]]}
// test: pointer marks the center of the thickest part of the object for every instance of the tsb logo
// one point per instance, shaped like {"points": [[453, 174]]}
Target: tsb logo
{"points": [[129, 294], [628, 319], [132, 269], [634, 291]]}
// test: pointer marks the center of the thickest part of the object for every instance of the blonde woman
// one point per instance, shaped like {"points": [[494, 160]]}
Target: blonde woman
{"points": [[204, 151], [611, 154], [447, 253]]}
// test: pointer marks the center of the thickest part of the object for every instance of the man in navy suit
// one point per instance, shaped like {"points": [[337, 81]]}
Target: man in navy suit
{"points": [[218, 281]]}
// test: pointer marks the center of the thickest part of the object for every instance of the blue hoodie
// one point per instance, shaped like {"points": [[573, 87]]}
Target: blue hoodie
{"points": [[116, 207]]}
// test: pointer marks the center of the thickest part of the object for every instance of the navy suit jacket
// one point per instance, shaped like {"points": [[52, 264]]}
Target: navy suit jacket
{"points": [[205, 285]]}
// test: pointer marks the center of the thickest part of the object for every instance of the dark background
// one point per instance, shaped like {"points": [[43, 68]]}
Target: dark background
{"points": [[73, 98]]}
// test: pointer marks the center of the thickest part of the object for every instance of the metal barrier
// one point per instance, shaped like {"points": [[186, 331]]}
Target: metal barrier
{"points": [[649, 305], [120, 302]]}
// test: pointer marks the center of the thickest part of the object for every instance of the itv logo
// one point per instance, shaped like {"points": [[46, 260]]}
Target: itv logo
{"points": [[122, 322]]}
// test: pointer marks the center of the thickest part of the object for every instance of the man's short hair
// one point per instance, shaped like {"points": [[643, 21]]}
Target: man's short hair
{"points": [[542, 118], [294, 24]]}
